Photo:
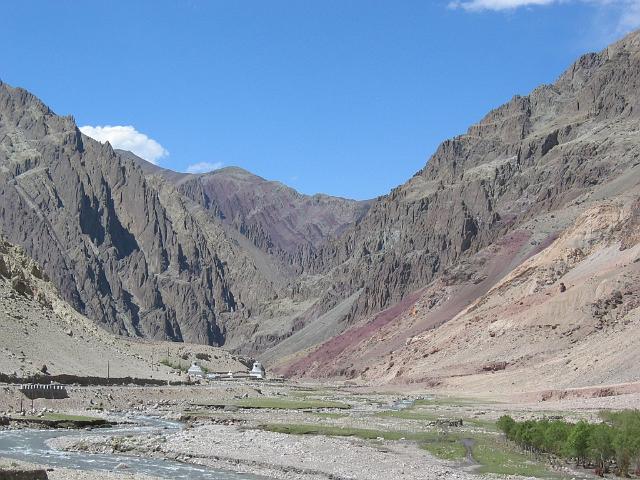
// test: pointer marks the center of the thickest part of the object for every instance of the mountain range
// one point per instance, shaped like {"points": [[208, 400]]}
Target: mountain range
{"points": [[514, 250]]}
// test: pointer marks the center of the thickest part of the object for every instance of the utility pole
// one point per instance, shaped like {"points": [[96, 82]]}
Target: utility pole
{"points": [[108, 370]]}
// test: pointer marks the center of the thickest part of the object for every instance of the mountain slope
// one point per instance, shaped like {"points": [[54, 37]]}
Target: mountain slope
{"points": [[148, 252], [321, 286], [106, 236], [532, 155], [485, 203]]}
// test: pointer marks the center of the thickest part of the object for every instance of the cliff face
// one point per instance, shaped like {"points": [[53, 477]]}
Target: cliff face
{"points": [[567, 316], [41, 332], [103, 234], [148, 252]]}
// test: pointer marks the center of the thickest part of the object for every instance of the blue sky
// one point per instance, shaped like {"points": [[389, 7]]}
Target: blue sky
{"points": [[344, 97]]}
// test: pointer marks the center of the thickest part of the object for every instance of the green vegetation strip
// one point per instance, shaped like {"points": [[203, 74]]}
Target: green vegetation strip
{"points": [[277, 403], [612, 445], [409, 414], [419, 414], [491, 455], [452, 401], [500, 458], [333, 431], [333, 416], [59, 420]]}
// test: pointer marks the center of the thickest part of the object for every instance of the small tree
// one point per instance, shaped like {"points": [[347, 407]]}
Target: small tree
{"points": [[626, 440], [601, 447], [507, 425], [578, 442], [555, 438]]}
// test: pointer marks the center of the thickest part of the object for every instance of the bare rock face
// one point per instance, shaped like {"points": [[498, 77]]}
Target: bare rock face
{"points": [[276, 218], [41, 333], [104, 236], [464, 265], [147, 252]]}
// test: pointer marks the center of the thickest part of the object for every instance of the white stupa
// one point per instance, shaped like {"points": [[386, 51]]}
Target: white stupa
{"points": [[195, 371], [257, 371]]}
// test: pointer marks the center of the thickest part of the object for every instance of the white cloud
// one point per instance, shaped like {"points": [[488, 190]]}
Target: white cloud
{"points": [[478, 5], [127, 138], [623, 15], [203, 167]]}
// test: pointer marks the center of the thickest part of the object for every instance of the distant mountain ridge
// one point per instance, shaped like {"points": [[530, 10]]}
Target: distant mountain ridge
{"points": [[276, 218]]}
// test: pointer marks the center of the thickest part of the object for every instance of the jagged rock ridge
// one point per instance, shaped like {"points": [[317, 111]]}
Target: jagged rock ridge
{"points": [[555, 174], [275, 218]]}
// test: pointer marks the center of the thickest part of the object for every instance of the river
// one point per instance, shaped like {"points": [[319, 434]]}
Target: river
{"points": [[30, 445]]}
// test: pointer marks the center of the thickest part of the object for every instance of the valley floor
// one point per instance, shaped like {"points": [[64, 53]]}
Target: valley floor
{"points": [[309, 431]]}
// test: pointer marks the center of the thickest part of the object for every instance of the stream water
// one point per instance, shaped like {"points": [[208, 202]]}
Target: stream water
{"points": [[31, 446], [402, 404]]}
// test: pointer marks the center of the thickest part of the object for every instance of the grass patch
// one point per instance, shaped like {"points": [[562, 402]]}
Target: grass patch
{"points": [[419, 414], [278, 403], [332, 431], [488, 425], [500, 458], [409, 414], [492, 456], [446, 448], [309, 392], [451, 401]]}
